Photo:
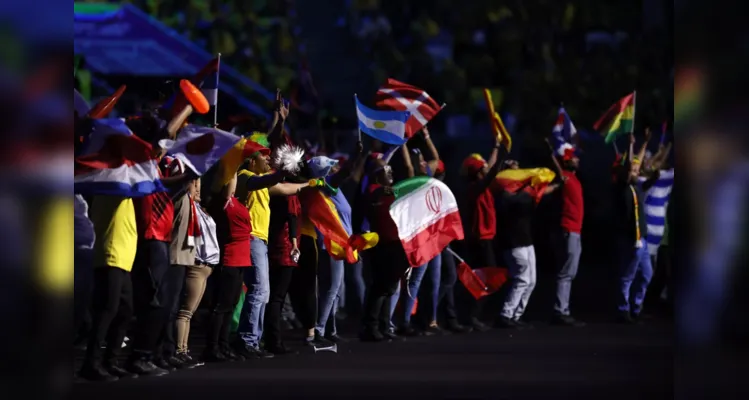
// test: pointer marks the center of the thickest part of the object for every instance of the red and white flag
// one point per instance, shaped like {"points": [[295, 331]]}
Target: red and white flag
{"points": [[399, 96]]}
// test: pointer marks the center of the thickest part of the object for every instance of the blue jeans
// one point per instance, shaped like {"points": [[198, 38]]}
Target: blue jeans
{"points": [[257, 280], [568, 273], [414, 284], [635, 276], [431, 298], [449, 276], [392, 305], [330, 275], [355, 287]]}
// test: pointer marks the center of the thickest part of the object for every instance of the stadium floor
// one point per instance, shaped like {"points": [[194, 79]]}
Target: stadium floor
{"points": [[602, 361]]}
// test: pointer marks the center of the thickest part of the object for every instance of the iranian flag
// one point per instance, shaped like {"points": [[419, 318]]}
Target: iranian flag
{"points": [[426, 214]]}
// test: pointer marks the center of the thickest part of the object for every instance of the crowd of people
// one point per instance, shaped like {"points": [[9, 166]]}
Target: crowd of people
{"points": [[248, 240], [535, 51]]}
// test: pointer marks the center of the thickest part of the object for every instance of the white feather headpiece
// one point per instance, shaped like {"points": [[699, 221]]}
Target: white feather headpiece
{"points": [[288, 158]]}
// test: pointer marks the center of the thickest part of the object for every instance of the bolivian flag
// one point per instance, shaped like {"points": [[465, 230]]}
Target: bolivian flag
{"points": [[618, 120], [496, 122], [512, 180], [322, 213]]}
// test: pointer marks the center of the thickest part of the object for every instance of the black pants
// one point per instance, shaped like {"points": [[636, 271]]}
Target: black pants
{"points": [[303, 288], [389, 263], [150, 298], [174, 282], [83, 290], [449, 275], [227, 292], [112, 310], [481, 254], [280, 281]]}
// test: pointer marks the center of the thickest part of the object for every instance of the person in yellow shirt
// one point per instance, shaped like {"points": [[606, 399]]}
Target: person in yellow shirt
{"points": [[114, 253], [255, 185]]}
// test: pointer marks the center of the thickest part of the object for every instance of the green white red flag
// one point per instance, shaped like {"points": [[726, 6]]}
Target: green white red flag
{"points": [[426, 214]]}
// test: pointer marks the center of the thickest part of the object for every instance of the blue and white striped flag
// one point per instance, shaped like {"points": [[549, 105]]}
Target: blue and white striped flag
{"points": [[656, 201]]}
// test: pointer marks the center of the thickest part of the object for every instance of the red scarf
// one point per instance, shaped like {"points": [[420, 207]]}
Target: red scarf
{"points": [[193, 226]]}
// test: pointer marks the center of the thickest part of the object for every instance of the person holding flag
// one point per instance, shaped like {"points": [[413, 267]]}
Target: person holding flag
{"points": [[481, 217], [518, 204], [572, 217], [389, 262], [637, 269]]}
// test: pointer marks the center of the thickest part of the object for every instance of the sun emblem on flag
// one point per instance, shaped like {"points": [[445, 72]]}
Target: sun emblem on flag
{"points": [[379, 125], [434, 199]]}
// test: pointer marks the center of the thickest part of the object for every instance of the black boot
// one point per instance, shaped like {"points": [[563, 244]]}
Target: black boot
{"points": [[93, 371], [144, 367], [455, 327]]}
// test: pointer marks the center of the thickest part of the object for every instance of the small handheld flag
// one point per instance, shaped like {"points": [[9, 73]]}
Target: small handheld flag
{"points": [[385, 126]]}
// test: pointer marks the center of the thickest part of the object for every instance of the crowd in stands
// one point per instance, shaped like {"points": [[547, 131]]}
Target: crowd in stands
{"points": [[579, 52]]}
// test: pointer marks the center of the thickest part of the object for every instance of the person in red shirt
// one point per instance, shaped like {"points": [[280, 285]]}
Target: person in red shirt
{"points": [[389, 261], [151, 288], [233, 231], [572, 224], [481, 217]]}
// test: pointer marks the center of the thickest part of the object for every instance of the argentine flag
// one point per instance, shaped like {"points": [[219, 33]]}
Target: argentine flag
{"points": [[386, 126]]}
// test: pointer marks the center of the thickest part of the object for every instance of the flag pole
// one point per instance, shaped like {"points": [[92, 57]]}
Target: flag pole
{"points": [[358, 129], [449, 250], [634, 112], [215, 107]]}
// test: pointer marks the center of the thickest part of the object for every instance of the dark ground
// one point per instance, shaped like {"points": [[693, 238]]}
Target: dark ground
{"points": [[602, 361]]}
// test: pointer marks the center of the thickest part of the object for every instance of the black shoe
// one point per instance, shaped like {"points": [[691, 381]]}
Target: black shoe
{"points": [[115, 370], [625, 318], [144, 368], [372, 336], [259, 353], [180, 363], [335, 339], [455, 327], [639, 318], [279, 349], [567, 320], [506, 323], [318, 342], [409, 331], [231, 355], [478, 326], [435, 330], [187, 359], [214, 356], [96, 373], [391, 336], [164, 364]]}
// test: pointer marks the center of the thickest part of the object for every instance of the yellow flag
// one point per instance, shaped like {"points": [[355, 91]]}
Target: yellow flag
{"points": [[228, 165], [500, 132]]}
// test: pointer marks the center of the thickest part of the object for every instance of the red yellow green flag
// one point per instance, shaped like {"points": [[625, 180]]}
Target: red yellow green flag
{"points": [[619, 119]]}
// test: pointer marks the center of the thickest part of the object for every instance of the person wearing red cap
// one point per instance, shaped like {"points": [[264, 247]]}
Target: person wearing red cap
{"points": [[255, 187], [481, 216], [571, 225]]}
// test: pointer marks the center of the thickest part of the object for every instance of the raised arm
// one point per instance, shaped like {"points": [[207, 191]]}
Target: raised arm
{"points": [[644, 147], [651, 180], [265, 181], [434, 162], [493, 168], [407, 161], [280, 112], [287, 189], [495, 154], [346, 171]]}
